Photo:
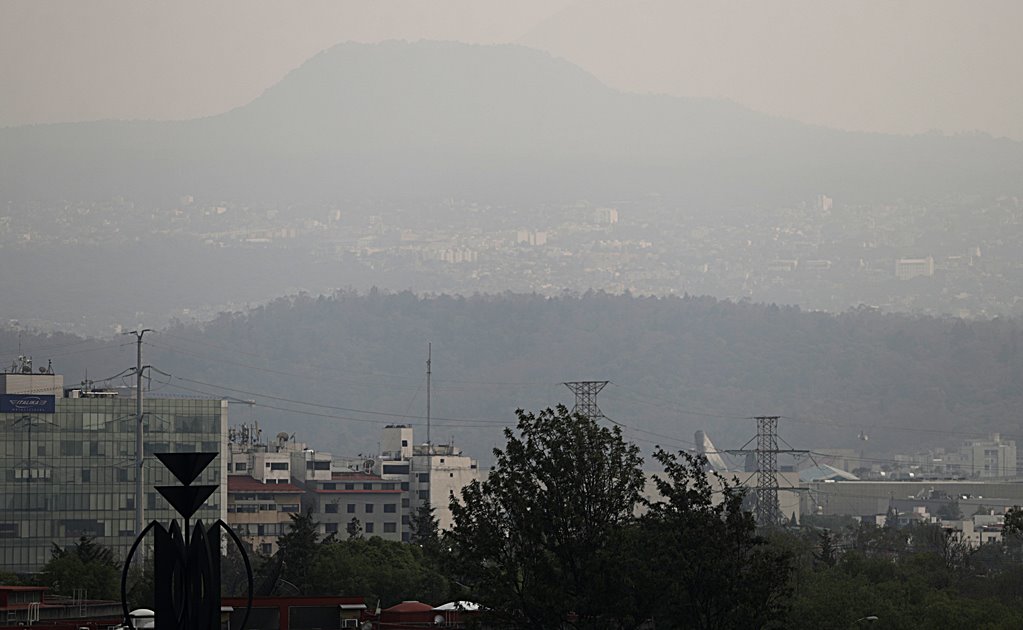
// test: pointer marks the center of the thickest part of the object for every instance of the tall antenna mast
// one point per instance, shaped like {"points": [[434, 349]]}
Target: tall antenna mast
{"points": [[429, 362]]}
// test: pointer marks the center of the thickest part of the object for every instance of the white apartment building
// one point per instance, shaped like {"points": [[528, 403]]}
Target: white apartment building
{"points": [[427, 472]]}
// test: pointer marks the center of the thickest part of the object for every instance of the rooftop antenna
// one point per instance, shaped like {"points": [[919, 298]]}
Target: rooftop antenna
{"points": [[429, 365]]}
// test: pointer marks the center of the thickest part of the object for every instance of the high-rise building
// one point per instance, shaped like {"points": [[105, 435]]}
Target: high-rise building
{"points": [[67, 460]]}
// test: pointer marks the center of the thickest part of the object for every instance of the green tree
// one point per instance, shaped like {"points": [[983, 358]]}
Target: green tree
{"points": [[378, 569], [538, 541], [424, 528], [719, 572], [83, 566], [827, 552], [354, 529], [296, 551]]}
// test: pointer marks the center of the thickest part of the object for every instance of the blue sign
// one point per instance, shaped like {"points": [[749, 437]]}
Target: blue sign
{"points": [[28, 403]]}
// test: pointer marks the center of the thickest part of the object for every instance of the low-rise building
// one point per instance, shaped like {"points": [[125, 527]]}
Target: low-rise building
{"points": [[259, 511], [372, 503]]}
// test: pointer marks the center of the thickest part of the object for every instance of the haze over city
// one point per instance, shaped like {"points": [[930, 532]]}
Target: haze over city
{"points": [[786, 236]]}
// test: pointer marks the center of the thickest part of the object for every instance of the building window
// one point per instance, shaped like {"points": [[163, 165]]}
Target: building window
{"points": [[404, 486], [349, 486], [424, 477], [330, 486], [330, 508], [369, 508], [404, 442], [424, 495], [330, 528], [369, 528], [279, 466], [266, 549], [390, 528], [367, 486], [390, 508], [351, 508], [404, 502], [240, 466]]}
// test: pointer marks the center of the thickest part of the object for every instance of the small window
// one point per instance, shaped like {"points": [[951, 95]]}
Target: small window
{"points": [[390, 508], [241, 466], [279, 466], [404, 442], [351, 508], [404, 486], [369, 508], [349, 486], [367, 486], [330, 508], [369, 528], [424, 495], [330, 486], [330, 528], [390, 528]]}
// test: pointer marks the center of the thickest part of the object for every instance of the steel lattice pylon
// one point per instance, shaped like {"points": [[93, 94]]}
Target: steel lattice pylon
{"points": [[586, 398], [768, 512]]}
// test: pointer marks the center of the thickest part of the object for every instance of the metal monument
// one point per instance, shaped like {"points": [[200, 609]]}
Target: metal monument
{"points": [[186, 558]]}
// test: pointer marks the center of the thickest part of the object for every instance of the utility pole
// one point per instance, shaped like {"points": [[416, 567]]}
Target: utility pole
{"points": [[140, 509], [586, 397], [429, 364]]}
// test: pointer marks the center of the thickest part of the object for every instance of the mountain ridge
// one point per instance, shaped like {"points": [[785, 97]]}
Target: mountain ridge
{"points": [[433, 119]]}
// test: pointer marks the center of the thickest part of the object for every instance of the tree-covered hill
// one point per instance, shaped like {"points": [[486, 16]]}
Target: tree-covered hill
{"points": [[357, 362]]}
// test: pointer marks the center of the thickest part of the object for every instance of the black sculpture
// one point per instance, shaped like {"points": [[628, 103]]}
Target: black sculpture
{"points": [[186, 560]]}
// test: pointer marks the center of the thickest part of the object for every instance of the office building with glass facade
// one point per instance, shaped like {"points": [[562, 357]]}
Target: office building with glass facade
{"points": [[68, 465]]}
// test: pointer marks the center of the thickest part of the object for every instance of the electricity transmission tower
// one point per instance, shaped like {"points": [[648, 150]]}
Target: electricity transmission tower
{"points": [[767, 511], [586, 398]]}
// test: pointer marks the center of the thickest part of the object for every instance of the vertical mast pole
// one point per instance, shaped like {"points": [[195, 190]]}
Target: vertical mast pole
{"points": [[429, 360]]}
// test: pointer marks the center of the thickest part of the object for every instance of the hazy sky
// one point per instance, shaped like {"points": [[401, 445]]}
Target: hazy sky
{"points": [[906, 66]]}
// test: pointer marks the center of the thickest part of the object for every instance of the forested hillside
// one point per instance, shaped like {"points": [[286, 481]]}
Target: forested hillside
{"points": [[333, 370]]}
